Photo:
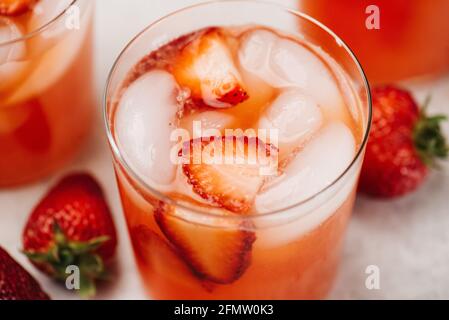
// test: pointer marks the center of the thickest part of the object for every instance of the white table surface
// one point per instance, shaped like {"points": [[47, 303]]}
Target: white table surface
{"points": [[408, 239]]}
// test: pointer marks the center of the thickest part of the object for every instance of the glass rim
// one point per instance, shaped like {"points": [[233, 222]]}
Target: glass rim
{"points": [[203, 212], [41, 29]]}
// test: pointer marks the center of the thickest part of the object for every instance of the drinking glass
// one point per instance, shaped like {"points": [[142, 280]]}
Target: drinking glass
{"points": [[295, 251], [46, 97]]}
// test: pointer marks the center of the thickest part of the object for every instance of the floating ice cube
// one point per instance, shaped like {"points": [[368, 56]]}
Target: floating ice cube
{"points": [[54, 61], [215, 120], [11, 66], [208, 123], [44, 12], [255, 50], [303, 68], [319, 164], [296, 116], [284, 63], [144, 122], [255, 56]]}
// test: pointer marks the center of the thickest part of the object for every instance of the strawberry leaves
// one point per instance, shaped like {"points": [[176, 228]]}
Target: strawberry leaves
{"points": [[404, 143], [64, 253], [429, 140], [72, 226]]}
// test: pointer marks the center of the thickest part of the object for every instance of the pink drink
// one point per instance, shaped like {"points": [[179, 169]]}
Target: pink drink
{"points": [[411, 42], [232, 230], [46, 98]]}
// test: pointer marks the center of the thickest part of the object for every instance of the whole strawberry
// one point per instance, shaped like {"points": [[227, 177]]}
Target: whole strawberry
{"points": [[72, 225], [16, 283], [404, 142]]}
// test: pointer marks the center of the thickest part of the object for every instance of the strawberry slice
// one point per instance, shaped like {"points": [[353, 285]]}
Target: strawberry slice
{"points": [[220, 255], [153, 252], [228, 171], [206, 67], [15, 7]]}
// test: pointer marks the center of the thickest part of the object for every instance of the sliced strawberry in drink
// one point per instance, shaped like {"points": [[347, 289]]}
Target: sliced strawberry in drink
{"points": [[157, 254], [15, 7], [206, 67], [220, 255], [229, 171]]}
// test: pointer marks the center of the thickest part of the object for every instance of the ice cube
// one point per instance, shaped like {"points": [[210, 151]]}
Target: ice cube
{"points": [[144, 122], [296, 116], [283, 63], [11, 66], [303, 68], [319, 164], [208, 123], [53, 63], [255, 50], [255, 56], [44, 12]]}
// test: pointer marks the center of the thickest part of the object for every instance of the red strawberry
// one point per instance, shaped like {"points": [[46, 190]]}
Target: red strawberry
{"points": [[206, 67], [403, 143], [234, 181], [15, 7], [16, 283], [72, 225], [220, 255]]}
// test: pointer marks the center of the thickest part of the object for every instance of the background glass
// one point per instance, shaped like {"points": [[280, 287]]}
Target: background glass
{"points": [[46, 95], [413, 39]]}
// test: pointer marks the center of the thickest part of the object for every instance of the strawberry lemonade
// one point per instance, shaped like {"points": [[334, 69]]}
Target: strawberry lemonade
{"points": [[412, 40], [46, 102], [237, 147]]}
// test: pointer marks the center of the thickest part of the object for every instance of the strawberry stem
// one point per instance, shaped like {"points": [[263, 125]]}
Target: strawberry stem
{"points": [[64, 253], [428, 137]]}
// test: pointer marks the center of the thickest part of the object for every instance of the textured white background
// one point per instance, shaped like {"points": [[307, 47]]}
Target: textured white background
{"points": [[408, 238]]}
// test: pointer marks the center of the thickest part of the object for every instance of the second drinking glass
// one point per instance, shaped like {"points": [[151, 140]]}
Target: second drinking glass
{"points": [[46, 97]]}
